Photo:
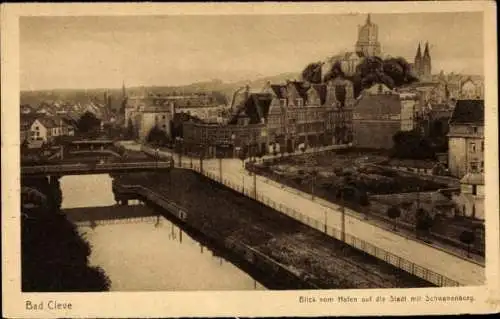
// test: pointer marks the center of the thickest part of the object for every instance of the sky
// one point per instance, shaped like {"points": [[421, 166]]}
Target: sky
{"points": [[104, 51]]}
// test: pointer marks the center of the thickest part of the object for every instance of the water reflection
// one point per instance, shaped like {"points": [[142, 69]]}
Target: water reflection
{"points": [[140, 249]]}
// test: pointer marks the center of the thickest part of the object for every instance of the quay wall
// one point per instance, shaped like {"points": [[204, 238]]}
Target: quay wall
{"points": [[240, 250]]}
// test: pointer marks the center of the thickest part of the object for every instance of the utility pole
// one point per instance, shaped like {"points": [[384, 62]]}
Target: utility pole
{"points": [[326, 221], [220, 167], [313, 180], [343, 215], [417, 212], [255, 185]]}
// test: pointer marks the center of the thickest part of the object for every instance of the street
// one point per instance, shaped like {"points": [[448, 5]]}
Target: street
{"points": [[463, 271]]}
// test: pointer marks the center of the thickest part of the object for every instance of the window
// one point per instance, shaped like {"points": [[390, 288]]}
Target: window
{"points": [[473, 147], [300, 102], [474, 129], [473, 167], [282, 102], [474, 189], [164, 117], [482, 146], [482, 166]]}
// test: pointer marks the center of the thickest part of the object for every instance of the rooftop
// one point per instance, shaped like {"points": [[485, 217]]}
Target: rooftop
{"points": [[468, 112], [473, 179]]}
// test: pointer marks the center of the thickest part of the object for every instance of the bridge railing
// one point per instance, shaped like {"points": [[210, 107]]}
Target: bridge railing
{"points": [[165, 203], [93, 167]]}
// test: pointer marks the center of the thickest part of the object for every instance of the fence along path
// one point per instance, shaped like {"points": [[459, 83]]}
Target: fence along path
{"points": [[360, 244]]}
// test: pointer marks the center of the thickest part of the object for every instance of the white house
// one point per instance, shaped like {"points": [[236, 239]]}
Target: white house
{"points": [[47, 128]]}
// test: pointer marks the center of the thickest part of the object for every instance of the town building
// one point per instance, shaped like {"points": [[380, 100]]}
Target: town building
{"points": [[377, 88], [310, 114], [434, 119], [410, 111], [209, 114], [158, 110], [428, 91], [282, 115], [246, 131], [461, 86], [146, 113], [368, 43], [466, 138], [376, 119], [470, 200], [44, 128]]}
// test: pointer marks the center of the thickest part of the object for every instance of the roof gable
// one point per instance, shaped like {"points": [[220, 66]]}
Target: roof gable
{"points": [[255, 107], [321, 90], [468, 112], [380, 104], [279, 90]]}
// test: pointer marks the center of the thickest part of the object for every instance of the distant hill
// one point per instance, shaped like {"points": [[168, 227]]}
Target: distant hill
{"points": [[83, 96]]}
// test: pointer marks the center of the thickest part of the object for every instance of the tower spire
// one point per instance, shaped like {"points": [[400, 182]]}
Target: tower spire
{"points": [[419, 51], [426, 50], [368, 19]]}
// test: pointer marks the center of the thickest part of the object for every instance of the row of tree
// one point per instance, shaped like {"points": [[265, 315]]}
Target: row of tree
{"points": [[393, 72]]}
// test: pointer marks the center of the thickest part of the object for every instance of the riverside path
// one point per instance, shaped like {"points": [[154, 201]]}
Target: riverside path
{"points": [[424, 260]]}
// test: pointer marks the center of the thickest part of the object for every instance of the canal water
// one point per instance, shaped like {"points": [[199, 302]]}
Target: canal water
{"points": [[139, 249]]}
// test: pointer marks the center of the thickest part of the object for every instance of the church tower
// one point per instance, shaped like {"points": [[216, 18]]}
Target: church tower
{"points": [[426, 63], [417, 65], [367, 43]]}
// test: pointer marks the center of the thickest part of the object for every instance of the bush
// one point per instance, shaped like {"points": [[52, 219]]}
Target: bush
{"points": [[467, 237]]}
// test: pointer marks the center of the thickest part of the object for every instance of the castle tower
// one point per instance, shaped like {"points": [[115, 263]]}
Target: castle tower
{"points": [[367, 43], [417, 65], [426, 63]]}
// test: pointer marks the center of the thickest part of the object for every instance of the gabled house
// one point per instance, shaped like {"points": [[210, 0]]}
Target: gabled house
{"points": [[376, 119], [470, 201], [45, 128], [466, 138]]}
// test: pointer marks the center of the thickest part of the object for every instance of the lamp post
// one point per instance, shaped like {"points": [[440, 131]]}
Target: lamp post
{"points": [[233, 139], [220, 166], [313, 180], [255, 176], [326, 221]]}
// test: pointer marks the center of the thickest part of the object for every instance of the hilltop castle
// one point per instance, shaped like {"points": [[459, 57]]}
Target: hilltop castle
{"points": [[367, 43]]}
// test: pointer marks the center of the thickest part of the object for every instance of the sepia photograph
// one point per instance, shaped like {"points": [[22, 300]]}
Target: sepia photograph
{"points": [[247, 152]]}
